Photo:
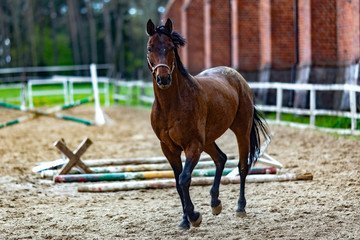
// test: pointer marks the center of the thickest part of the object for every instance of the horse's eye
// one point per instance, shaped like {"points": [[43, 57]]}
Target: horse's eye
{"points": [[149, 49]]}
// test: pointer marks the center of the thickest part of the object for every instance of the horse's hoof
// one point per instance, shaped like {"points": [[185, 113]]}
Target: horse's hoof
{"points": [[197, 222], [216, 210], [184, 225], [240, 214]]}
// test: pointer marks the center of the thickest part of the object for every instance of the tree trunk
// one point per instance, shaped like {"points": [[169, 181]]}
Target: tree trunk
{"points": [[73, 31], [119, 50], [92, 25], [83, 43], [53, 17], [3, 36], [107, 29], [15, 10], [31, 32]]}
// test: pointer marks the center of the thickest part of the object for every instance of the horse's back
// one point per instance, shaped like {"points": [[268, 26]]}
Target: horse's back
{"points": [[224, 77]]}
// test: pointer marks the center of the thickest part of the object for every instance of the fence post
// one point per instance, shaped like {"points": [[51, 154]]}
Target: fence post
{"points": [[312, 107], [31, 104], [106, 90], [279, 97], [99, 115], [66, 95], [23, 96], [130, 93], [352, 98], [71, 89]]}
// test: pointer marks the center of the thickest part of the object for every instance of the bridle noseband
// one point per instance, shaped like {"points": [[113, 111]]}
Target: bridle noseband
{"points": [[153, 69]]}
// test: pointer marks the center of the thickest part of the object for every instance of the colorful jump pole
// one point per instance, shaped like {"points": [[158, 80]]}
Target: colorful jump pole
{"points": [[131, 176], [9, 105], [114, 162], [52, 173], [199, 181], [17, 120], [52, 112], [154, 167]]}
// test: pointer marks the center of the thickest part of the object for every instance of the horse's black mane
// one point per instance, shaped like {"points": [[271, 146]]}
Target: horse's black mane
{"points": [[178, 41]]}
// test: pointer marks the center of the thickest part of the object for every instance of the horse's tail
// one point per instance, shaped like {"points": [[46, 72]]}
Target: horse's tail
{"points": [[259, 125]]}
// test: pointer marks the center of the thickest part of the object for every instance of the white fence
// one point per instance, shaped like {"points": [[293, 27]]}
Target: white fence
{"points": [[312, 112], [129, 86], [18, 86], [66, 83], [67, 91]]}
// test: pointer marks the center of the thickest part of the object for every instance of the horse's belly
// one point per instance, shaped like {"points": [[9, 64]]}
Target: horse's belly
{"points": [[214, 130], [222, 110]]}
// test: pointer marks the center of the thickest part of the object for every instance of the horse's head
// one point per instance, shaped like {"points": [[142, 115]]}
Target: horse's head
{"points": [[160, 53]]}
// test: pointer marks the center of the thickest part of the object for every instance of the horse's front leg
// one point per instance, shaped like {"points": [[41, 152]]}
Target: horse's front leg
{"points": [[176, 164], [192, 157]]}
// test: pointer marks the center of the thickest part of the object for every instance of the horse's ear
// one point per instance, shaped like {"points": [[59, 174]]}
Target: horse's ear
{"points": [[169, 25], [150, 28]]}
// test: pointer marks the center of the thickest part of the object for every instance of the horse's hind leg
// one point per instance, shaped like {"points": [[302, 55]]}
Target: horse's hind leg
{"points": [[176, 164], [219, 159], [243, 139], [243, 170]]}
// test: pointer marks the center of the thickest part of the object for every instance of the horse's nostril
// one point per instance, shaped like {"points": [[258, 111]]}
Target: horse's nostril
{"points": [[158, 79], [169, 77]]}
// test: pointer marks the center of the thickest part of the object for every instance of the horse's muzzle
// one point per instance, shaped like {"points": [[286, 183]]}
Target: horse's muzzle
{"points": [[163, 82]]}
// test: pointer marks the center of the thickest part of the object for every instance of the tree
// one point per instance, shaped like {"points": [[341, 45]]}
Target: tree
{"points": [[92, 26], [31, 32], [109, 56], [73, 27]]}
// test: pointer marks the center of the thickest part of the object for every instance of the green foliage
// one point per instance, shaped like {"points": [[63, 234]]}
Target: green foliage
{"points": [[40, 33]]}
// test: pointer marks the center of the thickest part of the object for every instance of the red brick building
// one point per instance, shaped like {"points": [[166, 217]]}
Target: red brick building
{"points": [[315, 41]]}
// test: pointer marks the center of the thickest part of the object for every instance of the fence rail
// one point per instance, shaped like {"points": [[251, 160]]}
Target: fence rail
{"points": [[312, 112]]}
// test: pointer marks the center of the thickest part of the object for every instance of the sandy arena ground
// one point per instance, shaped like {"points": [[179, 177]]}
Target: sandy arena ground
{"points": [[31, 208]]}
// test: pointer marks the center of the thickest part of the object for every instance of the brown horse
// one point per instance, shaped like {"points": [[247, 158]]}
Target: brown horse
{"points": [[190, 113]]}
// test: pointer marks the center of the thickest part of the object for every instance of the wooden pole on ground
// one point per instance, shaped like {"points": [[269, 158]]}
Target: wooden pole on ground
{"points": [[199, 181], [52, 173], [52, 112], [131, 176], [115, 162]]}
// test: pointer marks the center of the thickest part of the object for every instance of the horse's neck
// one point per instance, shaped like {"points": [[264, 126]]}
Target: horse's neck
{"points": [[180, 86]]}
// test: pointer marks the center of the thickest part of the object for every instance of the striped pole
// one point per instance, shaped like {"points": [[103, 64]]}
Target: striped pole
{"points": [[131, 176], [114, 162], [17, 120], [269, 178], [52, 112], [142, 160], [52, 173], [9, 105], [74, 119], [155, 167], [200, 181]]}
